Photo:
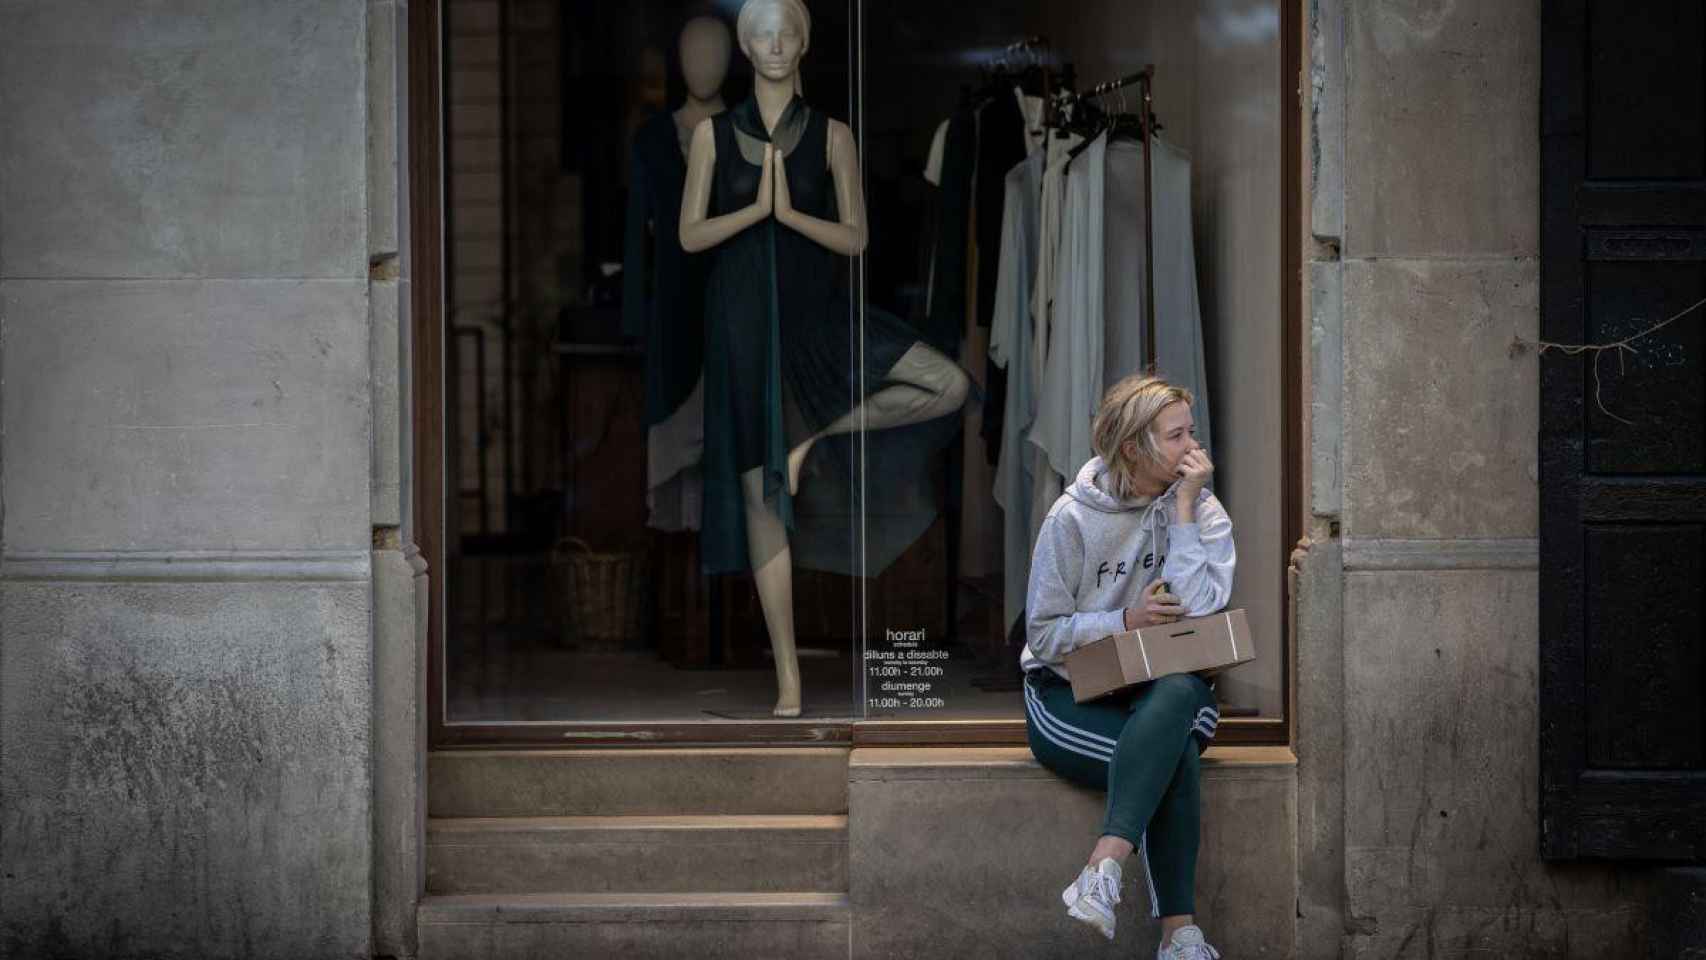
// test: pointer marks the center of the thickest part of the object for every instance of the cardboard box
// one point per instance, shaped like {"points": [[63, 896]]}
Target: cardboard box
{"points": [[1200, 645]]}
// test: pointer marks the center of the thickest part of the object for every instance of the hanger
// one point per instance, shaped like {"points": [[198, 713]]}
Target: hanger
{"points": [[1088, 121]]}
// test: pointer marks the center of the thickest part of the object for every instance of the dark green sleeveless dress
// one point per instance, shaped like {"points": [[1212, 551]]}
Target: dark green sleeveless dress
{"points": [[783, 360]]}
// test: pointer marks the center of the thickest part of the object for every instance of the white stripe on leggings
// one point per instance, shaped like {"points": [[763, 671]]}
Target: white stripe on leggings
{"points": [[1050, 737], [1154, 900], [1090, 735], [1054, 725], [1067, 743], [1057, 740]]}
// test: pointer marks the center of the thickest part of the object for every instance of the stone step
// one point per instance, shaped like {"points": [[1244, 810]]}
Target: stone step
{"points": [[656, 854], [991, 828], [706, 926], [616, 782]]}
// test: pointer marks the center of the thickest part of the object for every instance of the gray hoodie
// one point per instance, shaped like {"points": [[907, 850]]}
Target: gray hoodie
{"points": [[1097, 552]]}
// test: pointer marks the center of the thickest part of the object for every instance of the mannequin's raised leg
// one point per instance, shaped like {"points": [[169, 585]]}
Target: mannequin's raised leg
{"points": [[927, 385], [773, 574]]}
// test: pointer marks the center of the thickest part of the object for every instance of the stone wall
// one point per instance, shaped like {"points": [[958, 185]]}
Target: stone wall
{"points": [[189, 482], [1418, 645]]}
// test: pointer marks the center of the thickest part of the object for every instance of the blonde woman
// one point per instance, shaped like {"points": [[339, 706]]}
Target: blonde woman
{"points": [[1136, 540]]}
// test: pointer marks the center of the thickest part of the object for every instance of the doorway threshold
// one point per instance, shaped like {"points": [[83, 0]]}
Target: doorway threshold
{"points": [[1234, 731]]}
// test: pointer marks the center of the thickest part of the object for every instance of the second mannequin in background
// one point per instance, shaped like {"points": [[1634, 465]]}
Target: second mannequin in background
{"points": [[664, 286]]}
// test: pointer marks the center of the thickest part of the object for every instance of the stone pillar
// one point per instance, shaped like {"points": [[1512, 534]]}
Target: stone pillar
{"points": [[1317, 572], [1418, 668], [399, 582], [185, 672]]}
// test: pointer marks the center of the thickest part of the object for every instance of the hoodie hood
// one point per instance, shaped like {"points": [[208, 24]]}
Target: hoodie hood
{"points": [[1094, 488]]}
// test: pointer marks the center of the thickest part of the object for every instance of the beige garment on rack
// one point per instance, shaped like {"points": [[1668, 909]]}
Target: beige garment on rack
{"points": [[1047, 483]]}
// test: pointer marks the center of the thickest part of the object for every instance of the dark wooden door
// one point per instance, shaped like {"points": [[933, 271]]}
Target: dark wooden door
{"points": [[1623, 457]]}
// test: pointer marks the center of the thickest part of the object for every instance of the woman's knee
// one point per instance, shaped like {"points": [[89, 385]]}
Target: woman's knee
{"points": [[1184, 691]]}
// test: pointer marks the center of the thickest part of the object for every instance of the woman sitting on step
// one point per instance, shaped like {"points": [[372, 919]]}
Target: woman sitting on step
{"points": [[1135, 541]]}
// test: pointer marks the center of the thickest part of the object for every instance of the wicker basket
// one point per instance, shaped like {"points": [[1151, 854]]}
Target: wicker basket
{"points": [[602, 595]]}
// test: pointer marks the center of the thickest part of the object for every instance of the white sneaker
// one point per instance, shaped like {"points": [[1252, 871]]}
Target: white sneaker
{"points": [[1188, 944], [1092, 896]]}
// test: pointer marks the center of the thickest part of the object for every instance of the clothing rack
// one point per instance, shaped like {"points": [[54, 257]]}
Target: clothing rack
{"points": [[1027, 45], [1037, 53], [1145, 80]]}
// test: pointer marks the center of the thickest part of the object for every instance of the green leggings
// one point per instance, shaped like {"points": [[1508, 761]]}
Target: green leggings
{"points": [[1143, 748]]}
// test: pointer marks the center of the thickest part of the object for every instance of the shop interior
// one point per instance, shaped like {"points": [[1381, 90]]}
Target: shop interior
{"points": [[589, 526]]}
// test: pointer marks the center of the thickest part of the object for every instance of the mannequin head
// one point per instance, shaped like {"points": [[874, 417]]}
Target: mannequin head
{"points": [[774, 35], [705, 48]]}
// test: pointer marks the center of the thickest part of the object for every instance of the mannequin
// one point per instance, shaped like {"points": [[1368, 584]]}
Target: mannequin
{"points": [[662, 300], [705, 50], [773, 190]]}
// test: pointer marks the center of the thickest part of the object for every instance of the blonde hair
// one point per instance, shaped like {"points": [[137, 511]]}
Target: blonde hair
{"points": [[1128, 413]]}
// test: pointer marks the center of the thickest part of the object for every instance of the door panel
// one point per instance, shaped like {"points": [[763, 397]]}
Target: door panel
{"points": [[1643, 656], [1647, 418], [1623, 454], [1644, 90]]}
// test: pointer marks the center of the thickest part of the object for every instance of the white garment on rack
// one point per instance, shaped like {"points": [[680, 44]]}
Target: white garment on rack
{"points": [[1046, 484], [1048, 247], [1031, 111], [933, 162], [1071, 386], [1124, 215], [1178, 311], [1010, 348], [933, 175]]}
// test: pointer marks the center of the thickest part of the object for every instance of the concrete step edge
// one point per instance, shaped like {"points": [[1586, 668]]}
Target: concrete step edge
{"points": [[689, 827], [621, 754], [1018, 763], [700, 831], [633, 908]]}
